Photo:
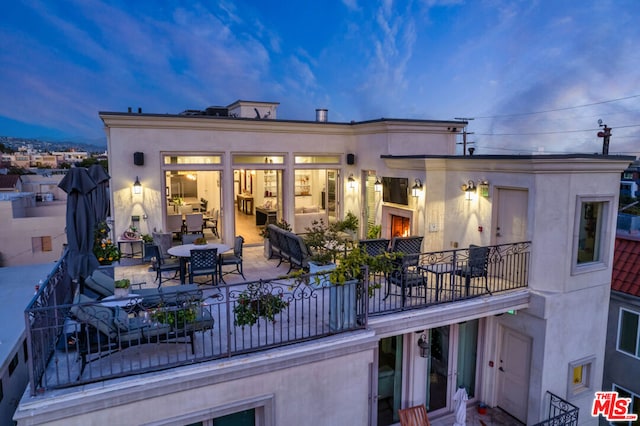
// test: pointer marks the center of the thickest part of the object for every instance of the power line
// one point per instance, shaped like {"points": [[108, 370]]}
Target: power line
{"points": [[552, 132], [559, 109]]}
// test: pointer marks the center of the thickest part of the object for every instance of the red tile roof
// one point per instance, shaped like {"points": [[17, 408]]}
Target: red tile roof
{"points": [[9, 181], [626, 266]]}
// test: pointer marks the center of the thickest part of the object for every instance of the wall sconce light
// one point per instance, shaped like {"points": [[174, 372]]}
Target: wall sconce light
{"points": [[483, 188], [378, 185], [423, 345], [351, 182], [137, 187], [469, 189], [416, 189]]}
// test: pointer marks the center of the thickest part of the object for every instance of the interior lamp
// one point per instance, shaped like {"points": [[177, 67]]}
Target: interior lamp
{"points": [[378, 185], [351, 181], [416, 189], [137, 187]]}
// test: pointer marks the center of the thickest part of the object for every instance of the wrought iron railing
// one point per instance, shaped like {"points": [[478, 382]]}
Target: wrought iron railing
{"points": [[44, 320], [449, 276], [91, 341], [559, 412], [66, 349]]}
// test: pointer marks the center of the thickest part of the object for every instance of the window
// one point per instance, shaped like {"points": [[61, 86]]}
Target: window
{"points": [[634, 408], [13, 364], [591, 233], [192, 159], [628, 328], [580, 376]]}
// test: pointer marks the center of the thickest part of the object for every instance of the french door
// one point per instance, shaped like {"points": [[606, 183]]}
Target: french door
{"points": [[452, 364]]}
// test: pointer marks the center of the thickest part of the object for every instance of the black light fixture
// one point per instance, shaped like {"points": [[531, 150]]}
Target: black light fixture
{"points": [[378, 185], [137, 187], [423, 345], [416, 189]]}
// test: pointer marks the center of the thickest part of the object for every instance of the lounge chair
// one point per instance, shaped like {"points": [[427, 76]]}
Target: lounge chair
{"points": [[101, 285]]}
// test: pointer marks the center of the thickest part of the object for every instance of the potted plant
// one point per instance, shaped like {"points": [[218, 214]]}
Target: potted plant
{"points": [[200, 241], [254, 302], [103, 247], [121, 287]]}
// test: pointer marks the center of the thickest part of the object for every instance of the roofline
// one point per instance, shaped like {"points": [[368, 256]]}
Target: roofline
{"points": [[352, 123], [510, 156]]}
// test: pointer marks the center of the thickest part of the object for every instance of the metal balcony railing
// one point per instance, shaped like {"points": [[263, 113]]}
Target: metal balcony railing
{"points": [[72, 344], [559, 412]]}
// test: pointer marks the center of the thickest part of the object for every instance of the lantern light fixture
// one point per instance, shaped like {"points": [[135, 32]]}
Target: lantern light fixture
{"points": [[377, 186], [137, 187], [469, 190], [423, 345], [351, 181], [416, 189]]}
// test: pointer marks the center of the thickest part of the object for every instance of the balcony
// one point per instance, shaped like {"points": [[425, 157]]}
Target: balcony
{"points": [[66, 350]]}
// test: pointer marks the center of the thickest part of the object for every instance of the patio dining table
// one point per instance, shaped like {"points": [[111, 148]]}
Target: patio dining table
{"points": [[440, 269], [184, 253]]}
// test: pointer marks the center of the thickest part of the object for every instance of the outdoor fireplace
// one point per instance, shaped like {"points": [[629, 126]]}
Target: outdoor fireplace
{"points": [[400, 226], [396, 222]]}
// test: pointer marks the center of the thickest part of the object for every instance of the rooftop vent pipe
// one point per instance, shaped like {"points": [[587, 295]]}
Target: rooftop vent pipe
{"points": [[322, 115]]}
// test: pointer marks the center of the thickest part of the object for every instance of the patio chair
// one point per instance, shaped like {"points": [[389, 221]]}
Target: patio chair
{"points": [[414, 416], [406, 273], [162, 265], [163, 241], [204, 262], [174, 224], [193, 223], [190, 238], [101, 285], [374, 247], [211, 222], [476, 267], [234, 258]]}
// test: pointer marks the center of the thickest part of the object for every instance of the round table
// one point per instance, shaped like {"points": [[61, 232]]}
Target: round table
{"points": [[184, 253]]}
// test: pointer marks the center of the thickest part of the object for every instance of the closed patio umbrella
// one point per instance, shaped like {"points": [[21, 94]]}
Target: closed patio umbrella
{"points": [[100, 195], [80, 221]]}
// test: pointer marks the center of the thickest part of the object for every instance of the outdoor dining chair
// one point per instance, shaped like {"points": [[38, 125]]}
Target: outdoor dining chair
{"points": [[162, 265], [174, 224], [476, 267], [234, 258], [190, 238], [204, 262]]}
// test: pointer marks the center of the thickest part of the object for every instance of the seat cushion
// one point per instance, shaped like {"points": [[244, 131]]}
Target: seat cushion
{"points": [[100, 283], [95, 315]]}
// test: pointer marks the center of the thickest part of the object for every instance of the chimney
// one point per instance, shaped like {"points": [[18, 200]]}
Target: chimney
{"points": [[322, 115]]}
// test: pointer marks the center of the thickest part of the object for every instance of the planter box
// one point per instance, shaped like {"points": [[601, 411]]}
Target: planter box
{"points": [[320, 280], [342, 306]]}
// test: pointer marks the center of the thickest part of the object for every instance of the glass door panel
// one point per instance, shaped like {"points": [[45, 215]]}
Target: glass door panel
{"points": [[467, 356], [389, 379], [437, 383]]}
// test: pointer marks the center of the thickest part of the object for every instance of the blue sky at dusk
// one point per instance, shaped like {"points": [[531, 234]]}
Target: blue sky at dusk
{"points": [[535, 75]]}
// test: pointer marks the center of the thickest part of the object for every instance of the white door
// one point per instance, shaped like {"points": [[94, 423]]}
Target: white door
{"points": [[511, 215], [513, 373]]}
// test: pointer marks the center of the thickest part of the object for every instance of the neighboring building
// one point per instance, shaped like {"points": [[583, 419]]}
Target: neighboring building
{"points": [[564, 205], [17, 288], [32, 221], [622, 354], [10, 183]]}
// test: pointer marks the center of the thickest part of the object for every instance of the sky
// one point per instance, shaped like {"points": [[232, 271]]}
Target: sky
{"points": [[533, 75]]}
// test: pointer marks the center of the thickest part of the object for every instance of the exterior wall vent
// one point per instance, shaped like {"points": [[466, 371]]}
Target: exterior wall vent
{"points": [[322, 115]]}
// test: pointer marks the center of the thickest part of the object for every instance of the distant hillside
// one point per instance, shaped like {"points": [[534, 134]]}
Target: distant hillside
{"points": [[42, 145]]}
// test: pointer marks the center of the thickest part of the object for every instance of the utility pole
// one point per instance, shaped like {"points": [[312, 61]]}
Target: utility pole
{"points": [[464, 135], [605, 135]]}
